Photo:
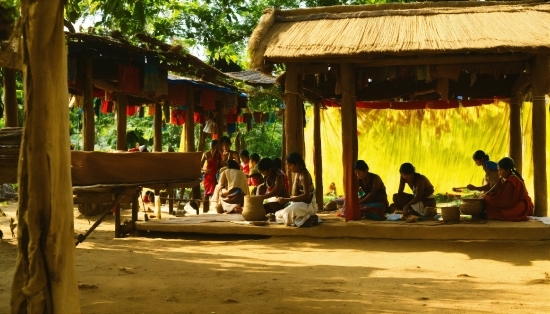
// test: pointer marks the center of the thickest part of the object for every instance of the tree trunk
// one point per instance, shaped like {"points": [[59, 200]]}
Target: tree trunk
{"points": [[540, 89], [121, 122], [11, 116], [349, 141], [45, 272]]}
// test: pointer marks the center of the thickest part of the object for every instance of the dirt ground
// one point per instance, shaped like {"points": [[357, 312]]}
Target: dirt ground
{"points": [[298, 275]]}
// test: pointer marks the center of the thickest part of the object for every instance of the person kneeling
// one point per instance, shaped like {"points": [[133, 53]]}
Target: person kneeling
{"points": [[274, 185], [231, 189], [422, 197], [302, 210]]}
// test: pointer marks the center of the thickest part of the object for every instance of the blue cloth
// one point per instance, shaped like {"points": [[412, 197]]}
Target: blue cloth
{"points": [[491, 165]]}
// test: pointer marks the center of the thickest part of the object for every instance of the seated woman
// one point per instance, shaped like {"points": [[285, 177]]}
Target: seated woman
{"points": [[274, 185], [231, 189], [303, 208], [509, 199], [423, 192], [245, 161], [374, 203], [491, 172]]}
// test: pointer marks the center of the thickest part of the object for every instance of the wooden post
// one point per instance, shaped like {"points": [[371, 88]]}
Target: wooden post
{"points": [[202, 139], [11, 116], [292, 115], [190, 133], [516, 142], [88, 123], [349, 141], [220, 118], [283, 146], [318, 154], [540, 89], [157, 146], [121, 122], [118, 233]]}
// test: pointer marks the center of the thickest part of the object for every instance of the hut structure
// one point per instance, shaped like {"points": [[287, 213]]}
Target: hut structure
{"points": [[409, 56]]}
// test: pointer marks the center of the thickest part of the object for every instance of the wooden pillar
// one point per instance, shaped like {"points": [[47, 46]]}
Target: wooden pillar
{"points": [[190, 134], [11, 116], [516, 141], [88, 123], [157, 146], [121, 122], [293, 113], [202, 139], [540, 89], [318, 154], [349, 141], [283, 146], [220, 119]]}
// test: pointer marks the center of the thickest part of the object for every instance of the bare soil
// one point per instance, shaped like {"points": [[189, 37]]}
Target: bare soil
{"points": [[207, 274]]}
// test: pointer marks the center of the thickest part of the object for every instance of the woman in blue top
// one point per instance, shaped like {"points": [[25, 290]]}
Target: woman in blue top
{"points": [[491, 172]]}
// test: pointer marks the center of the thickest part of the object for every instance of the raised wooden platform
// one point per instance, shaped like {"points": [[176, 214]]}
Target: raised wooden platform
{"points": [[334, 227]]}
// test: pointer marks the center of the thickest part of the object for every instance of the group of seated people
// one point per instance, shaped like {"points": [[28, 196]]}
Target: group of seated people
{"points": [[504, 192], [229, 177]]}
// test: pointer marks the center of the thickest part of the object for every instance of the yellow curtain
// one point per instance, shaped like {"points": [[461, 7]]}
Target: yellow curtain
{"points": [[439, 143]]}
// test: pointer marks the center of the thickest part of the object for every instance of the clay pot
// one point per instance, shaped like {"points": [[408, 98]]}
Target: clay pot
{"points": [[451, 213], [253, 209], [472, 207]]}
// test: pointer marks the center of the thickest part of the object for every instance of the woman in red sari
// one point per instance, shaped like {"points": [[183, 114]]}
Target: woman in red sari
{"points": [[508, 200]]}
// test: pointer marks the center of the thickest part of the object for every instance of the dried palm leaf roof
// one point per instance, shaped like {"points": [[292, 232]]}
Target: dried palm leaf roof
{"points": [[401, 30]]}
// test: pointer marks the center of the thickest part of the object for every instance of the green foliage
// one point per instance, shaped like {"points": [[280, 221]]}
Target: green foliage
{"points": [[264, 139]]}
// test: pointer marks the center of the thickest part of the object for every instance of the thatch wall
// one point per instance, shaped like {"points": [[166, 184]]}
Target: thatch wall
{"points": [[401, 29]]}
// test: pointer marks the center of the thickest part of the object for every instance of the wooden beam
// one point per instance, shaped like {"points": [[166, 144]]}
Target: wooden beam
{"points": [[516, 138], [121, 122], [349, 141], [384, 61], [318, 153], [88, 123], [11, 109], [157, 144], [541, 67]]}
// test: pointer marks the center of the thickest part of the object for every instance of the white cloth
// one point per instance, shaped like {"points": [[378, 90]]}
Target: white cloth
{"points": [[420, 208], [235, 179], [297, 213]]}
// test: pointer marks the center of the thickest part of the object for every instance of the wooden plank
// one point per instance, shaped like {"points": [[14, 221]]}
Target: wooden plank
{"points": [[11, 109], [541, 67], [349, 141], [88, 123], [121, 122]]}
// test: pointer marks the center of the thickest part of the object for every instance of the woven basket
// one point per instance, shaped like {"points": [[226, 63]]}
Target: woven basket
{"points": [[253, 209], [451, 213], [472, 208]]}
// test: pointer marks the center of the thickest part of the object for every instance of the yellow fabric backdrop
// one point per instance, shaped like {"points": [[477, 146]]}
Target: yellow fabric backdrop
{"points": [[439, 143]]}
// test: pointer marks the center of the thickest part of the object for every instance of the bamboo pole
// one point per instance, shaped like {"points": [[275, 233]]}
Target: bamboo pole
{"points": [[516, 141], [88, 123], [318, 154], [11, 116], [45, 271], [540, 68], [349, 141], [157, 144], [121, 122]]}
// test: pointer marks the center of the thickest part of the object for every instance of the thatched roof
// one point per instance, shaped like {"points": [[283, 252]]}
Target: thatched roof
{"points": [[400, 30]]}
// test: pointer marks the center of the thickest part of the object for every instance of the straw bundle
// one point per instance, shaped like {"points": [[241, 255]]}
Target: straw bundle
{"points": [[401, 28], [253, 209]]}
